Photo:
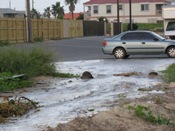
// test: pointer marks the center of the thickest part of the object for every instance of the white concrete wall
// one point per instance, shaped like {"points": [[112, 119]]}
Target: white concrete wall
{"points": [[138, 15]]}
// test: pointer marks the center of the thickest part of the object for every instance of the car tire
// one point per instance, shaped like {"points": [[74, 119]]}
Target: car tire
{"points": [[119, 53], [171, 52], [126, 56]]}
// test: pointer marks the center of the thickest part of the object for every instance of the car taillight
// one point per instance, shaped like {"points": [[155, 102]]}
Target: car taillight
{"points": [[104, 43]]}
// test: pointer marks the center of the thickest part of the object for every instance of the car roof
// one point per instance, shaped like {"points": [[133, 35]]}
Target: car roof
{"points": [[138, 31]]}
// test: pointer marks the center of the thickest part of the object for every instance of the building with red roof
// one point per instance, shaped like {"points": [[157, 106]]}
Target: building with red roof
{"points": [[68, 16], [143, 11]]}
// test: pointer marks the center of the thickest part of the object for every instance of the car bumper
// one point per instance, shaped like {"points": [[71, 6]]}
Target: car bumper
{"points": [[106, 50]]}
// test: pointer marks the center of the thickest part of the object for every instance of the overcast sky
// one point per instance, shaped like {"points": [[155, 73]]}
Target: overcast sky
{"points": [[39, 4]]}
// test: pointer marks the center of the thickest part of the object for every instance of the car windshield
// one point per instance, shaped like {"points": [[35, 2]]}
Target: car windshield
{"points": [[170, 26]]}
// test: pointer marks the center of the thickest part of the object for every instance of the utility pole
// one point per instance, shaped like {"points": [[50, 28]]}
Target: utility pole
{"points": [[28, 22], [118, 18], [33, 4], [130, 15], [10, 4]]}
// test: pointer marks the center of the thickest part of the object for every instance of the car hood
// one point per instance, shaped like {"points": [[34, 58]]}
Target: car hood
{"points": [[169, 41]]}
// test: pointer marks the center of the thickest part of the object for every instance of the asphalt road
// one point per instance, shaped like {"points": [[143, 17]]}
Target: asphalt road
{"points": [[80, 48]]}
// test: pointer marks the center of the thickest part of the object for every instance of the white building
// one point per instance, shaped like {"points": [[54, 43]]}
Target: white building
{"points": [[143, 11]]}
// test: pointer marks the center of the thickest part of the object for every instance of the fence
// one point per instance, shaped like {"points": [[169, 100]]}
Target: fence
{"points": [[91, 28], [14, 30]]}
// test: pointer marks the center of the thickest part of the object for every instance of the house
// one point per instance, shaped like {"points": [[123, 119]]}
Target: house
{"points": [[143, 11], [10, 13], [69, 16]]}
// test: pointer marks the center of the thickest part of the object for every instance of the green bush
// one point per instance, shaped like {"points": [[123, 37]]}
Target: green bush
{"points": [[32, 63], [38, 39], [134, 26], [4, 43], [169, 74], [108, 28], [101, 19]]}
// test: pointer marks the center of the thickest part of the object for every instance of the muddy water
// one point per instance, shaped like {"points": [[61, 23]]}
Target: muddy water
{"points": [[65, 99]]}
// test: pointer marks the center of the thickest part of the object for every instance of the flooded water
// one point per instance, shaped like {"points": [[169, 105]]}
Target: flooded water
{"points": [[64, 99]]}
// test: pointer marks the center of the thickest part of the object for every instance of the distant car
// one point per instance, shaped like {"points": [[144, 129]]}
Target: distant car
{"points": [[136, 43]]}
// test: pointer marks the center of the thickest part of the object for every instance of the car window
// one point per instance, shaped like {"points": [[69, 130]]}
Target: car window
{"points": [[170, 26], [146, 36], [130, 36]]}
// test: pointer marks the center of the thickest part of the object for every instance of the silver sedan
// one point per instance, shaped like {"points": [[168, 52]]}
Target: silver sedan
{"points": [[136, 43]]}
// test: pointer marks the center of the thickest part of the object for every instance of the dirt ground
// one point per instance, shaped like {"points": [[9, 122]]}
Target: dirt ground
{"points": [[121, 118]]}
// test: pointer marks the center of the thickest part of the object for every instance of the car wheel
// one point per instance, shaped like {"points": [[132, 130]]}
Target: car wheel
{"points": [[171, 52], [119, 53], [126, 56]]}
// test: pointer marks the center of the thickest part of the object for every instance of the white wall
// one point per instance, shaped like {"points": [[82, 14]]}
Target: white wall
{"points": [[138, 15]]}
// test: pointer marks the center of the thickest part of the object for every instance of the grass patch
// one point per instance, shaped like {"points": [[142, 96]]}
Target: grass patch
{"points": [[38, 39], [8, 83], [108, 28], [4, 43], [147, 26], [32, 63], [169, 74], [146, 114]]}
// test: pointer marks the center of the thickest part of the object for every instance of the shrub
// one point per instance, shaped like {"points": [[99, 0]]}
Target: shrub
{"points": [[134, 26], [169, 74], [108, 28], [4, 43], [32, 63], [101, 19], [38, 39]]}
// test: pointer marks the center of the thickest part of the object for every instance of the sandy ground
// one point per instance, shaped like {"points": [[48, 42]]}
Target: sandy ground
{"points": [[120, 118]]}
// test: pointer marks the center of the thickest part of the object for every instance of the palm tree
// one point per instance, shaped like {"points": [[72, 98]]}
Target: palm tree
{"points": [[71, 6], [47, 12], [35, 14], [57, 11]]}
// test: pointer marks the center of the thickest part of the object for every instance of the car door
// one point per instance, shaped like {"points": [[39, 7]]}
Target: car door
{"points": [[131, 43], [150, 44]]}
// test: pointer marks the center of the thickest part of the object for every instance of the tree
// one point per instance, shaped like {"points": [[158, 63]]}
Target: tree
{"points": [[80, 17], [134, 26], [57, 11], [35, 14], [47, 12], [71, 6], [103, 19]]}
